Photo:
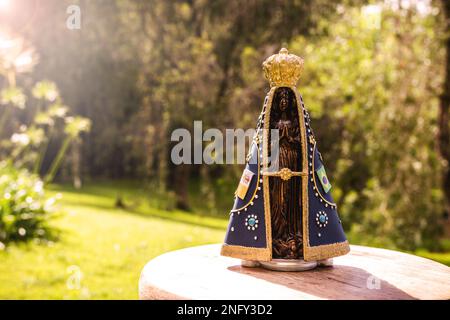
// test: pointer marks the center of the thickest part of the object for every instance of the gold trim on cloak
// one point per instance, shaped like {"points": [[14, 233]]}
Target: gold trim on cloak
{"points": [[247, 253]]}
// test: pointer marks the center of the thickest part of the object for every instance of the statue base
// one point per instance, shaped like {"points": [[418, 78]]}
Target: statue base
{"points": [[287, 264]]}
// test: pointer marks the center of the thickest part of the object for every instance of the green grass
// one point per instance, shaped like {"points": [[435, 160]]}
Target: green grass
{"points": [[102, 249], [442, 257]]}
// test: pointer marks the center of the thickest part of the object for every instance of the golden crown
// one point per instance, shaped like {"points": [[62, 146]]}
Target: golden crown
{"points": [[283, 69]]}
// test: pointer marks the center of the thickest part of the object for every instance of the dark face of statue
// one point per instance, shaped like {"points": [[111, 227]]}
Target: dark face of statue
{"points": [[284, 100]]}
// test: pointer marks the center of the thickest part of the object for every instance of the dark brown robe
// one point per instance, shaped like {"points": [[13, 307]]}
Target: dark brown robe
{"points": [[285, 196]]}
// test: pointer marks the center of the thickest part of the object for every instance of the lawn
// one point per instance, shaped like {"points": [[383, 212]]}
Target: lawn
{"points": [[102, 249]]}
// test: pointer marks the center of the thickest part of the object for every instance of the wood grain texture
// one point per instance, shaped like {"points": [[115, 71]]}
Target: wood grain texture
{"points": [[365, 273]]}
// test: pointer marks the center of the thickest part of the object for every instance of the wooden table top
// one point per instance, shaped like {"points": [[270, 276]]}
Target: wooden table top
{"points": [[364, 273]]}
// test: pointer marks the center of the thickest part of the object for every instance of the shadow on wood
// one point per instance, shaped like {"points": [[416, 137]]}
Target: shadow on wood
{"points": [[337, 282]]}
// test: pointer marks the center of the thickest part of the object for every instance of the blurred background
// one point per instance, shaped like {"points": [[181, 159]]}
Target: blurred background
{"points": [[90, 92]]}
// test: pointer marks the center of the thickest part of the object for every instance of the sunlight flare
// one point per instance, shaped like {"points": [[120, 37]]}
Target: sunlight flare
{"points": [[5, 4]]}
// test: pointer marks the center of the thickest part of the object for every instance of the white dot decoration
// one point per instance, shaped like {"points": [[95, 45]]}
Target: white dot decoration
{"points": [[321, 219], [251, 222]]}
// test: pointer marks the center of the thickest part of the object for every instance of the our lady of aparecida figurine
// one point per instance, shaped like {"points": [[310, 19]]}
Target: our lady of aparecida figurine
{"points": [[284, 219]]}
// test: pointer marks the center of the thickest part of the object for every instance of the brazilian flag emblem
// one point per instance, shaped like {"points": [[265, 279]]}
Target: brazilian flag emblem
{"points": [[322, 175]]}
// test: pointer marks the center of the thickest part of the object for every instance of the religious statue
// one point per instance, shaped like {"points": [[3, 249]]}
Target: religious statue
{"points": [[284, 217]]}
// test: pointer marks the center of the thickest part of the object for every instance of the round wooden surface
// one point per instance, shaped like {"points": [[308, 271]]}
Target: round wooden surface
{"points": [[364, 273]]}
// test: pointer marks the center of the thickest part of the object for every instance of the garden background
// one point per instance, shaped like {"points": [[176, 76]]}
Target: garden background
{"points": [[88, 193]]}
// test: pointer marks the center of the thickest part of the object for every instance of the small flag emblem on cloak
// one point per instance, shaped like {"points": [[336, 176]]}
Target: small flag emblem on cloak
{"points": [[244, 183], [322, 175]]}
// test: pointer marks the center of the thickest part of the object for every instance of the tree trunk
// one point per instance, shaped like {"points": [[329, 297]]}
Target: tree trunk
{"points": [[181, 186], [444, 118]]}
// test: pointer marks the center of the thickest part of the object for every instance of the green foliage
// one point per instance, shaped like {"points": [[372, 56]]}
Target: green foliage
{"points": [[47, 118], [24, 211], [13, 96], [24, 208], [76, 125], [45, 90], [28, 146]]}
